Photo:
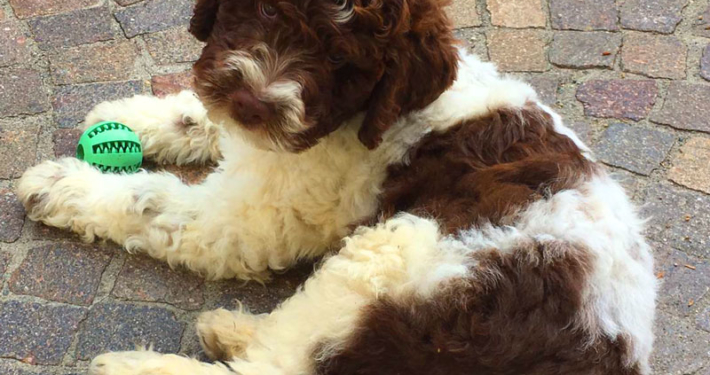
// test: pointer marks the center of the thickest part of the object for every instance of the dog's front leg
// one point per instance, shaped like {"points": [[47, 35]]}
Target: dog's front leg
{"points": [[151, 363]]}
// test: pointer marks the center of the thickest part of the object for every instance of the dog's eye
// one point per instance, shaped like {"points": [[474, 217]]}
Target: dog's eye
{"points": [[341, 3], [336, 59], [267, 10]]}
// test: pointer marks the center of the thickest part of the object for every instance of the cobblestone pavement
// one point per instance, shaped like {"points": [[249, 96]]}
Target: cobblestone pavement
{"points": [[630, 76]]}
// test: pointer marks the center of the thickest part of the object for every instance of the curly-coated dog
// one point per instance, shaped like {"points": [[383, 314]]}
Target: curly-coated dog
{"points": [[472, 232]]}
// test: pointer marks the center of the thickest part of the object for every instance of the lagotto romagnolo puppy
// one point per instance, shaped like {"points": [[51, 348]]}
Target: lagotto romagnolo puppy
{"points": [[471, 231]]}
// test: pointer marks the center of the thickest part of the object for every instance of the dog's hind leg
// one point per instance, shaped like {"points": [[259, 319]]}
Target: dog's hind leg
{"points": [[172, 130]]}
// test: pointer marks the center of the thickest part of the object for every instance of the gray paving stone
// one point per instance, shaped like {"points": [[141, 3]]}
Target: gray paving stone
{"points": [[582, 129], [702, 320], [110, 61], [546, 88], [173, 46], [654, 56], [652, 15], [686, 107], [622, 99], [145, 279], [51, 272], [22, 92], [127, 2], [258, 298], [37, 333], [12, 216], [705, 63], [701, 27], [634, 148], [32, 8], [685, 282], [154, 15], [13, 44], [119, 326], [65, 141], [72, 29], [4, 261], [679, 347], [18, 145], [585, 15], [71, 103], [582, 50], [678, 218]]}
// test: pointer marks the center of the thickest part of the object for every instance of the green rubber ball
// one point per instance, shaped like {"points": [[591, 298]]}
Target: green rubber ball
{"points": [[111, 147]]}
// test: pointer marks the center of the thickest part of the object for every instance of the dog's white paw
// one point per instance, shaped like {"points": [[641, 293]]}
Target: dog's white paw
{"points": [[122, 363]]}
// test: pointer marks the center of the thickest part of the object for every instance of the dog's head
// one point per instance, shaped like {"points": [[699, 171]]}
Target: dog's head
{"points": [[287, 72]]}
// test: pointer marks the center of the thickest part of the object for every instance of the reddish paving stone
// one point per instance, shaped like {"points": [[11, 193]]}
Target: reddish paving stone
{"points": [[33, 8], [691, 167], [517, 13], [13, 44], [686, 107], [144, 279], [39, 231], [654, 55], [584, 15], [518, 50], [652, 15], [12, 216], [37, 333], [702, 27], [574, 49], [65, 141], [546, 88], [172, 83], [173, 46], [72, 29], [463, 13], [705, 64], [257, 298], [51, 271], [630, 99], [72, 102], [22, 92], [95, 62], [189, 174], [680, 348], [634, 148], [678, 218], [2, 15], [119, 326], [154, 15], [18, 146], [682, 284]]}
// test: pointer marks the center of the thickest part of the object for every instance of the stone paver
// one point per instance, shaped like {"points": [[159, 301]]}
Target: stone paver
{"points": [[13, 44], [154, 15], [517, 13], [94, 62], [686, 107], [518, 50], [173, 46], [171, 83], [12, 217], [634, 148], [622, 99], [691, 167], [22, 92], [705, 63], [35, 333], [72, 102], [678, 218], [463, 13], [631, 77], [49, 272], [654, 56], [584, 15], [32, 8], [652, 15], [120, 326], [574, 49], [144, 279]]}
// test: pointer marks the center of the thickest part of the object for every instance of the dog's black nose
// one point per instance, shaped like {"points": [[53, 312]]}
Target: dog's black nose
{"points": [[248, 109]]}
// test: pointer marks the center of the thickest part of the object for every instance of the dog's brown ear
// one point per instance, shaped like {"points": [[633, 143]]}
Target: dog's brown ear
{"points": [[421, 63], [203, 18]]}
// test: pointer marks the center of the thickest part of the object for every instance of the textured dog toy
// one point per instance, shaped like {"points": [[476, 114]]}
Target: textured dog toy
{"points": [[111, 147]]}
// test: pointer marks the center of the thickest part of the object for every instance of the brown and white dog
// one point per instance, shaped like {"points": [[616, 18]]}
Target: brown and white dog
{"points": [[475, 232]]}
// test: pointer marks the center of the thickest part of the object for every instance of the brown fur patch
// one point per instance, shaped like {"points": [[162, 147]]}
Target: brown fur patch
{"points": [[484, 170], [517, 315]]}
